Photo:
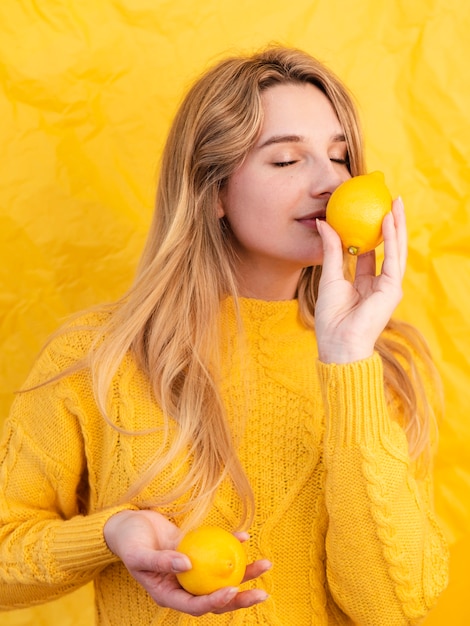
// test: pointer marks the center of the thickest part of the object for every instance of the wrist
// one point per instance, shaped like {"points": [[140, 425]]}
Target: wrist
{"points": [[343, 354], [114, 526]]}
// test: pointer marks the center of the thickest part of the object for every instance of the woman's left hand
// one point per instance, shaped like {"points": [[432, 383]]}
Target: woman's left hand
{"points": [[349, 317]]}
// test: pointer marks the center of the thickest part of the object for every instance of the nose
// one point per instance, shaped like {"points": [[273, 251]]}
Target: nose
{"points": [[329, 175]]}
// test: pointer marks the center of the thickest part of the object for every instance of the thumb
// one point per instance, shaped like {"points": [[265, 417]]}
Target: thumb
{"points": [[160, 561], [332, 253]]}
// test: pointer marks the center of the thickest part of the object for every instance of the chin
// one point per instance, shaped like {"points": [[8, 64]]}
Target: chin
{"points": [[311, 261]]}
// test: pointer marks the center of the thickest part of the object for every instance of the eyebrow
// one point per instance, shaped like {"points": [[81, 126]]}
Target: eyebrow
{"points": [[338, 138]]}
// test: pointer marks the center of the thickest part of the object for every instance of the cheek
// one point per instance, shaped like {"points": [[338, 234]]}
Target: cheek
{"points": [[250, 204], [250, 213], [243, 202]]}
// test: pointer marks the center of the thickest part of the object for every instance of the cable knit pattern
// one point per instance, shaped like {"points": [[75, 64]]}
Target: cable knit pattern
{"points": [[349, 528]]}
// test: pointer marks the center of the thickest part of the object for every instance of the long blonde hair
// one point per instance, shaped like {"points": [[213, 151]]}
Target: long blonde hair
{"points": [[169, 317]]}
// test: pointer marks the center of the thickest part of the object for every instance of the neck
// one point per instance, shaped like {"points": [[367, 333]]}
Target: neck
{"points": [[268, 285]]}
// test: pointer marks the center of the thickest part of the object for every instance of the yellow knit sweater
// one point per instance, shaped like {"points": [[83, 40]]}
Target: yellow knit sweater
{"points": [[339, 512]]}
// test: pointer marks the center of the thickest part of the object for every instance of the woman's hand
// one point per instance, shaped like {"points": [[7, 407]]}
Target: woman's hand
{"points": [[145, 541], [349, 317]]}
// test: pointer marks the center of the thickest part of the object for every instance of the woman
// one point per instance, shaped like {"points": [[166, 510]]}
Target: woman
{"points": [[242, 381]]}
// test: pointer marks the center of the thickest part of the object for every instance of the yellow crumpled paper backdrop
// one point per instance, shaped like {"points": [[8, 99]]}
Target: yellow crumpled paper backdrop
{"points": [[87, 91]]}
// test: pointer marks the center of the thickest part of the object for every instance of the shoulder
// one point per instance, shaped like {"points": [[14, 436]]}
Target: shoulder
{"points": [[80, 332], [70, 345]]}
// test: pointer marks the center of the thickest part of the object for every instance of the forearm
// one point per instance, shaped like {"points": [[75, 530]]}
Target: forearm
{"points": [[41, 559], [385, 555]]}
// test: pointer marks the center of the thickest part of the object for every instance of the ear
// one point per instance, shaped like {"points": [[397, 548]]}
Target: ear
{"points": [[220, 207]]}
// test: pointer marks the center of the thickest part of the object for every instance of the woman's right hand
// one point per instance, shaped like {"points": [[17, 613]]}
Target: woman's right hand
{"points": [[145, 541], [350, 316]]}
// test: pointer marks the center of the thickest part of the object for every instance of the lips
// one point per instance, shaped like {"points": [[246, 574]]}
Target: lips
{"points": [[310, 220]]}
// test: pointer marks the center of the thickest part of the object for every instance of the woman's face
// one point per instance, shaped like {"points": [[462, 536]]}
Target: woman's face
{"points": [[272, 200]]}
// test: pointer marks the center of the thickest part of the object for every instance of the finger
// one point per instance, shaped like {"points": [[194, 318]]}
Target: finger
{"points": [[253, 570], [332, 253], [228, 598], [221, 601], [157, 561], [398, 211], [242, 536], [244, 600], [391, 265], [212, 603], [182, 601]]}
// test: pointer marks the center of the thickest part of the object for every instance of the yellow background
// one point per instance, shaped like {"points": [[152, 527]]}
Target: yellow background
{"points": [[87, 90]]}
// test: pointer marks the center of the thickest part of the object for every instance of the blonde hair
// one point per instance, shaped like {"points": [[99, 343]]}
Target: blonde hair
{"points": [[169, 317]]}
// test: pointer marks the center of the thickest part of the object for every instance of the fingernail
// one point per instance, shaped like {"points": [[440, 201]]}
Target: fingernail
{"points": [[242, 535], [262, 597], [230, 593], [180, 564]]}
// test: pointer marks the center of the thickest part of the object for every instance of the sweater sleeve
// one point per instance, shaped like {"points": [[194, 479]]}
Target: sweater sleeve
{"points": [[49, 544], [386, 556]]}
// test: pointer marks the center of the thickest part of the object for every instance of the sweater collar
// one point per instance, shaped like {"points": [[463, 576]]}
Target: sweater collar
{"points": [[256, 313]]}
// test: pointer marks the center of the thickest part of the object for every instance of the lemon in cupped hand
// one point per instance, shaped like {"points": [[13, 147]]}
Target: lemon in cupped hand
{"points": [[356, 210], [218, 560]]}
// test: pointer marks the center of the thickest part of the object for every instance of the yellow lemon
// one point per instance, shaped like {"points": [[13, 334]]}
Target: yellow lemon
{"points": [[218, 560], [356, 209]]}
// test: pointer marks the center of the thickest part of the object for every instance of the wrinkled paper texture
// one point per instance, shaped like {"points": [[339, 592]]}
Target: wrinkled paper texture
{"points": [[87, 91]]}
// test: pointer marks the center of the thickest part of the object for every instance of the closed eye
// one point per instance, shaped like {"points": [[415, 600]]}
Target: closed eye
{"points": [[284, 163], [341, 161]]}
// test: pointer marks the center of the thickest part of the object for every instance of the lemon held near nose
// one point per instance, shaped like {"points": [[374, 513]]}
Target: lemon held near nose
{"points": [[356, 210]]}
